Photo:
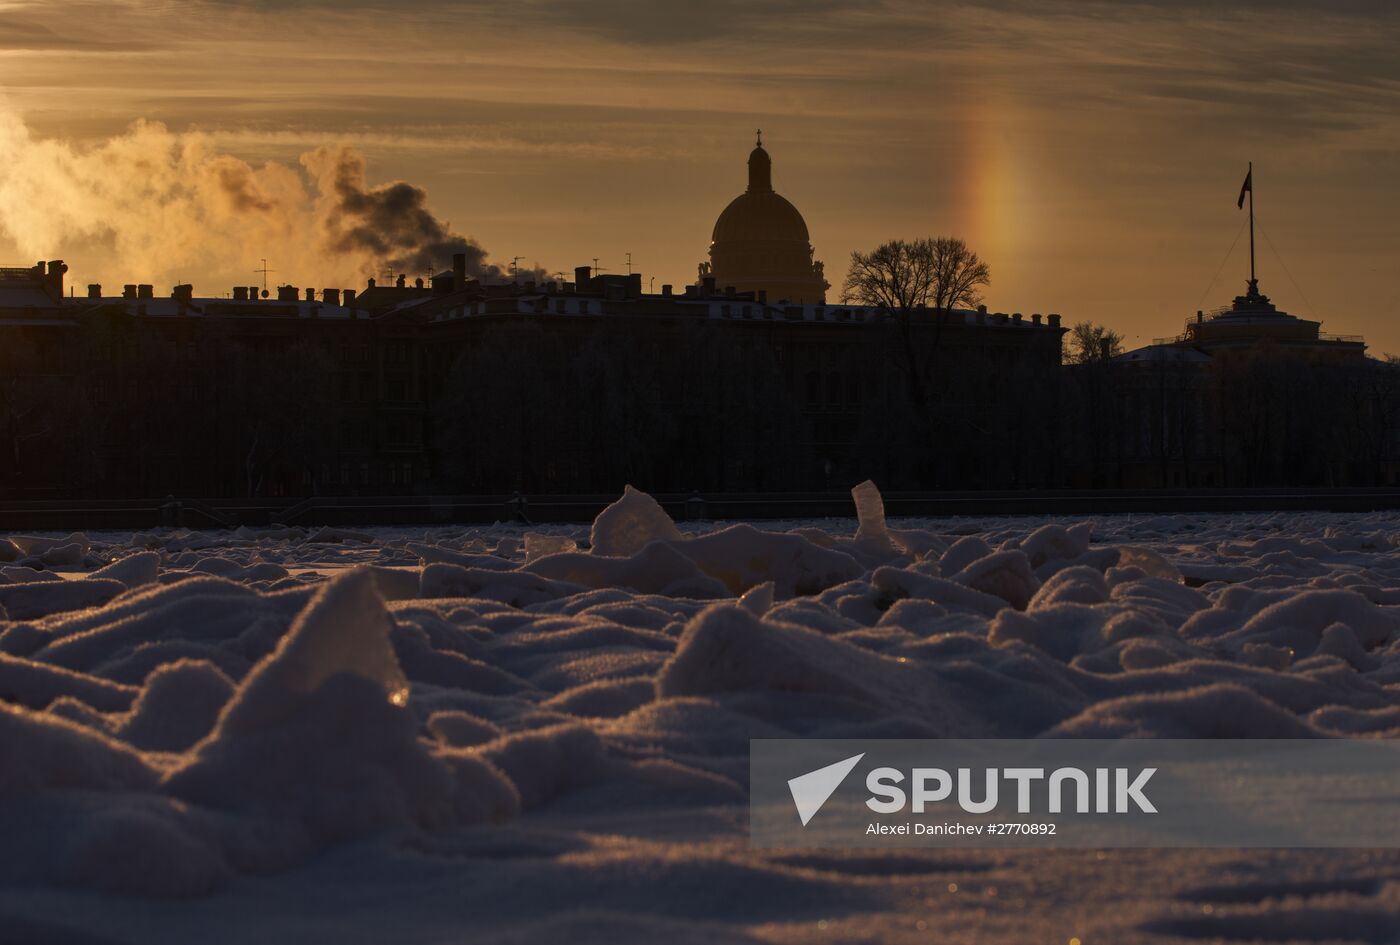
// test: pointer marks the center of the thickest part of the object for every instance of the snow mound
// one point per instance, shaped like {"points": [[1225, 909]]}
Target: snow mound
{"points": [[630, 524], [38, 750]]}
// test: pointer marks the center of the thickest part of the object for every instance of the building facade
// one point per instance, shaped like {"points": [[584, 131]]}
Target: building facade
{"points": [[460, 387]]}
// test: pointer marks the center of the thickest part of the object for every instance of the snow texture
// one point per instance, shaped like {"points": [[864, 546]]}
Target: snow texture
{"points": [[525, 733]]}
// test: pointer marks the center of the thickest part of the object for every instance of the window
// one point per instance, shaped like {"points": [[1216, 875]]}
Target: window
{"points": [[364, 474]]}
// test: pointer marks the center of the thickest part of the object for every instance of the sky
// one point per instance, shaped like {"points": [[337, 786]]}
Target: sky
{"points": [[1090, 152]]}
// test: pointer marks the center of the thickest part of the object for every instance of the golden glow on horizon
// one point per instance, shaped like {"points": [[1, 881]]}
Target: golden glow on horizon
{"points": [[1090, 152]]}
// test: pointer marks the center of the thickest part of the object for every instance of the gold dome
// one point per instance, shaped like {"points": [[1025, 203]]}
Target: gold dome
{"points": [[760, 216], [759, 213], [760, 242]]}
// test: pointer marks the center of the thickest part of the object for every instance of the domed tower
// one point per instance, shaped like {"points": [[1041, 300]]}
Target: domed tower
{"points": [[760, 242]]}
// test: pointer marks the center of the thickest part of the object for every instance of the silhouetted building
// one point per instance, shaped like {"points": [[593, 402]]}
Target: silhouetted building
{"points": [[465, 387], [760, 243], [1246, 395]]}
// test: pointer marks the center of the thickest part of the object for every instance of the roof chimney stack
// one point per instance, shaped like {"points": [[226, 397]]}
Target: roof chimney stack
{"points": [[583, 275], [94, 290], [145, 291], [56, 271], [129, 290], [240, 293], [330, 296]]}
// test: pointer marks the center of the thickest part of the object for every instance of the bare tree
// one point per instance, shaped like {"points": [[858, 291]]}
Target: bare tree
{"points": [[1089, 343], [907, 279], [903, 276]]}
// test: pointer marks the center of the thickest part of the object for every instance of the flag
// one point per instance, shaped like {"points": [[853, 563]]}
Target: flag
{"points": [[1247, 188]]}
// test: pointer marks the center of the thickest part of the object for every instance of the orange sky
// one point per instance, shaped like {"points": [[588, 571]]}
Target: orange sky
{"points": [[1090, 152]]}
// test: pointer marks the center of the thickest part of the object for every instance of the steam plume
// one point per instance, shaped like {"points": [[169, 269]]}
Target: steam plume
{"points": [[157, 206]]}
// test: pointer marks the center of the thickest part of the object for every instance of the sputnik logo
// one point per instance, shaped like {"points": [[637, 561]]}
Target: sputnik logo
{"points": [[812, 790]]}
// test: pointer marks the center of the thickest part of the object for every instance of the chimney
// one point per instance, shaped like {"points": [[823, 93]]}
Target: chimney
{"points": [[1016, 317], [56, 271], [666, 289], [129, 291], [583, 277], [1036, 318], [286, 293], [402, 281], [349, 296], [634, 285], [240, 293], [1054, 319], [310, 295], [763, 296], [459, 270], [183, 292], [729, 291], [370, 283], [94, 290], [145, 291], [253, 292], [709, 285], [330, 296], [418, 283]]}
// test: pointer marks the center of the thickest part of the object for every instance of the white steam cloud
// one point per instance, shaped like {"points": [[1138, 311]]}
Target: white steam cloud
{"points": [[152, 205]]}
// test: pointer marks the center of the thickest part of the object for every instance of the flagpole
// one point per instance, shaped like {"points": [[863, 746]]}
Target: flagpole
{"points": [[1253, 280]]}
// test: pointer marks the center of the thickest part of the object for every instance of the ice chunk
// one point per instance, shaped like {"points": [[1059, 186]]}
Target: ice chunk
{"points": [[34, 546], [344, 630], [516, 588], [1148, 561], [631, 523], [658, 568], [1054, 543], [1004, 574], [1298, 621], [963, 552], [135, 570], [539, 545], [896, 584], [871, 535], [758, 599], [726, 648], [742, 557], [317, 744], [42, 598]]}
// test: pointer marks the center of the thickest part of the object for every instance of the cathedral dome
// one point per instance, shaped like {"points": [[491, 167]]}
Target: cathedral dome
{"points": [[760, 242], [760, 215]]}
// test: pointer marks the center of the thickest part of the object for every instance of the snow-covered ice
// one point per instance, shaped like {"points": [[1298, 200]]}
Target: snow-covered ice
{"points": [[513, 733]]}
